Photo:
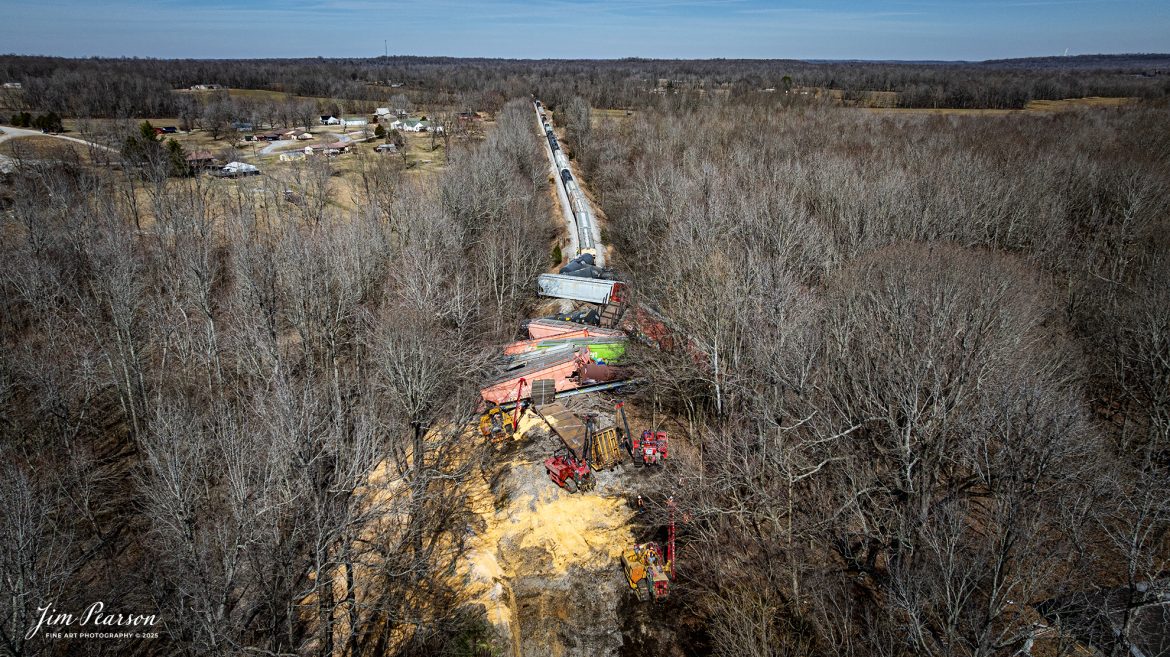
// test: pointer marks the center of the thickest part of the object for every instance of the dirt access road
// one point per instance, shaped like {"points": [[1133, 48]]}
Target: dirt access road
{"points": [[8, 164]]}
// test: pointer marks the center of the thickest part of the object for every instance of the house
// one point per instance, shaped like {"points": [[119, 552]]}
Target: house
{"points": [[170, 130], [410, 125], [235, 169], [330, 120], [335, 148], [206, 87], [12, 85], [242, 126], [200, 160], [355, 122], [388, 114], [305, 136], [385, 148], [292, 156]]}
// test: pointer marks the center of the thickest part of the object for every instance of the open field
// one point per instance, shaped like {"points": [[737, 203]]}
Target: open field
{"points": [[1035, 107], [44, 148], [252, 94], [1077, 103]]}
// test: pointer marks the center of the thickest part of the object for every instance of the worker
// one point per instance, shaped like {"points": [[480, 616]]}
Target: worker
{"points": [[641, 506]]}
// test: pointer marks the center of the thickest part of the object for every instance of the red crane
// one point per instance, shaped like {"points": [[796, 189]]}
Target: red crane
{"points": [[670, 565]]}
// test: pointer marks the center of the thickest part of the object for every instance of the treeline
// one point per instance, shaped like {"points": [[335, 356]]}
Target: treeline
{"points": [[926, 359], [140, 87], [242, 414]]}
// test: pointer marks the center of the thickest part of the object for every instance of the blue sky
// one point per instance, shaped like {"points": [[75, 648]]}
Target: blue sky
{"points": [[805, 29]]}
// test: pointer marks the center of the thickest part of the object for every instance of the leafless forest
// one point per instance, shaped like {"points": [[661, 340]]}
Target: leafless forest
{"points": [[140, 87], [922, 363], [191, 409], [927, 360]]}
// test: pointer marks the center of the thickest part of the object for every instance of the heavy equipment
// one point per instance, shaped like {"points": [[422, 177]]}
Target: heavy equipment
{"points": [[569, 467], [497, 425], [649, 449], [569, 472], [626, 437], [648, 569]]}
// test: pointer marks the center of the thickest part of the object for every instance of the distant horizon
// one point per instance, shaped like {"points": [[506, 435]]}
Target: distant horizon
{"points": [[832, 30], [814, 60]]}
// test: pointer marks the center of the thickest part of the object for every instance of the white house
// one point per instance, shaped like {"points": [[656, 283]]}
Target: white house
{"points": [[410, 125], [233, 169], [355, 122], [330, 120]]}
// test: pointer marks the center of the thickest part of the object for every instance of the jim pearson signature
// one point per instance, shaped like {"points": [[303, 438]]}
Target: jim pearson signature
{"points": [[94, 616]]}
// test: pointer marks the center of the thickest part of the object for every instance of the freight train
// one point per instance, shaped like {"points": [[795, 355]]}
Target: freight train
{"points": [[582, 212]]}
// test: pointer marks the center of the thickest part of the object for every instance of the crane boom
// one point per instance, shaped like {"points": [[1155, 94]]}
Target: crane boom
{"points": [[670, 565]]}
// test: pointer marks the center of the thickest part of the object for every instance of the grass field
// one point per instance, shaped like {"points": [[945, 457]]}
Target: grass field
{"points": [[1033, 107], [253, 94], [44, 148]]}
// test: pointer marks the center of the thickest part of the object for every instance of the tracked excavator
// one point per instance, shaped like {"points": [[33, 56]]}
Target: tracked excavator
{"points": [[497, 425], [649, 570]]}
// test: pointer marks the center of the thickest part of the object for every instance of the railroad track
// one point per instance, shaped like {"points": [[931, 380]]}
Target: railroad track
{"points": [[585, 235]]}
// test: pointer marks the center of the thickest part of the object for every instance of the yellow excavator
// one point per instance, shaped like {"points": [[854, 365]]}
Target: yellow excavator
{"points": [[497, 425], [649, 571]]}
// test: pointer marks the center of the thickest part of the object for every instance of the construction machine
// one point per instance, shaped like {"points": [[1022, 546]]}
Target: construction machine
{"points": [[496, 424], [569, 468], [569, 472], [650, 448], [648, 569], [586, 448]]}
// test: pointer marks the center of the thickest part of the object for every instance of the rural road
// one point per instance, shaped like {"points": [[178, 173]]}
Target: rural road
{"points": [[7, 132]]}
